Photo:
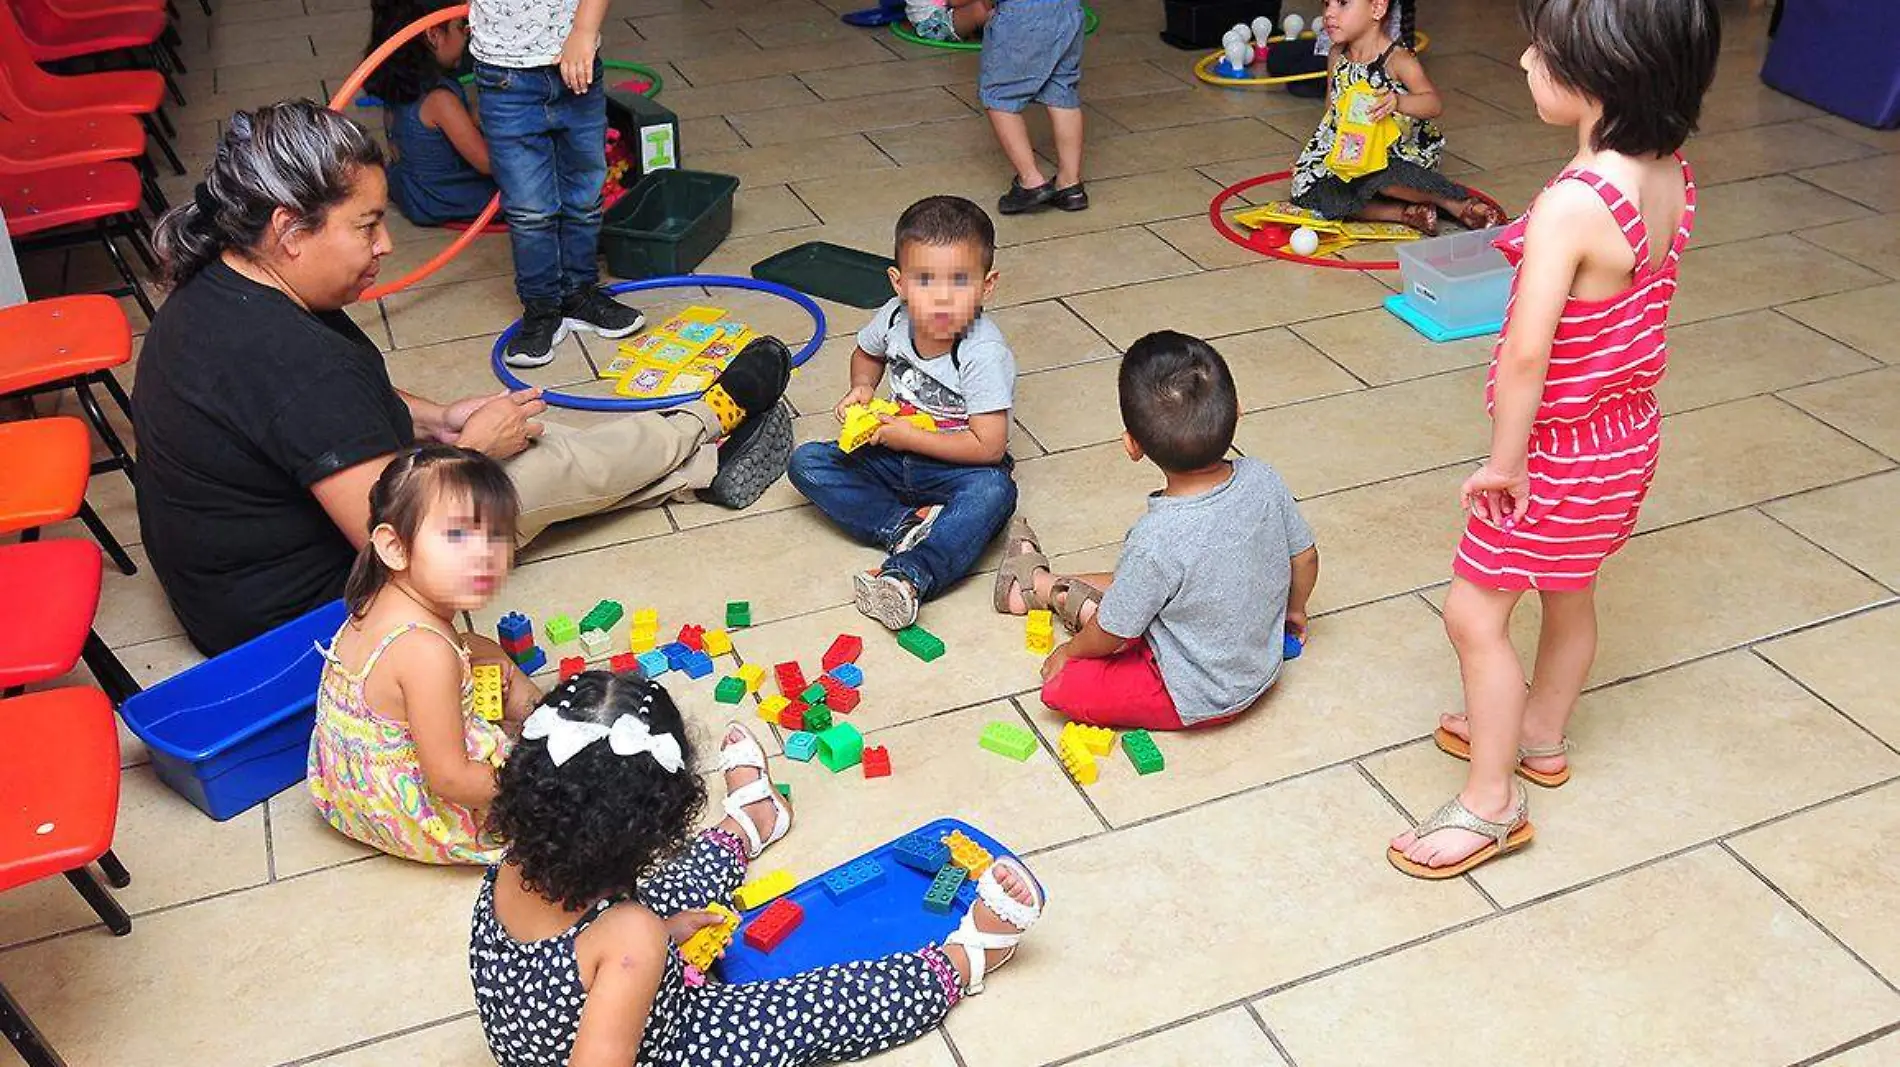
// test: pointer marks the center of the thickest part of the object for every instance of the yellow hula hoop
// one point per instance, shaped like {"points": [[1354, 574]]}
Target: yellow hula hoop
{"points": [[1204, 69]]}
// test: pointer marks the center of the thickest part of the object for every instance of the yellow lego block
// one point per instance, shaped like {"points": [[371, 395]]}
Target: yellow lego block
{"points": [[883, 407], [967, 854], [754, 676], [859, 425], [641, 639], [646, 619], [1039, 632], [1040, 644], [1076, 758], [758, 891], [921, 421], [1099, 740], [710, 943], [488, 703], [770, 707], [716, 642]]}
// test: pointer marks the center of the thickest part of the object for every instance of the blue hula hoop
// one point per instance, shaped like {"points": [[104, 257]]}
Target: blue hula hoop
{"points": [[658, 403]]}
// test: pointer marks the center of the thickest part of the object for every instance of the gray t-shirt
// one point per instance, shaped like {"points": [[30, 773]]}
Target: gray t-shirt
{"points": [[519, 34], [1206, 579], [976, 377]]}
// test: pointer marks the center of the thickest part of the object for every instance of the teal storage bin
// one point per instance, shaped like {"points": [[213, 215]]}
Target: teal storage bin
{"points": [[668, 223]]}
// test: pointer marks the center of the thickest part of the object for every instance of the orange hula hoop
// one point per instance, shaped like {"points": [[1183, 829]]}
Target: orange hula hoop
{"points": [[347, 93]]}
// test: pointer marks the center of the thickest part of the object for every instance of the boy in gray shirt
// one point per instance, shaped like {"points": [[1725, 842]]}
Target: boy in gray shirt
{"points": [[1192, 626]]}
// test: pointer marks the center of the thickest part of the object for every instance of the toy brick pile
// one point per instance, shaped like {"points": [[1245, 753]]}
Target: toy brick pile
{"points": [[1078, 747], [812, 711]]}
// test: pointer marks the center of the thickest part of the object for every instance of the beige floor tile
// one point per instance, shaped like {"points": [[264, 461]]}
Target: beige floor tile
{"points": [[1314, 901], [766, 208], [795, 161], [839, 83], [1089, 261], [1071, 406], [1854, 521], [833, 117], [968, 137], [1648, 977], [1867, 319], [1874, 182], [1699, 751], [1872, 242], [132, 609], [1379, 349], [1230, 1038], [711, 134], [818, 385], [1217, 303], [1125, 201], [1184, 146], [1749, 354], [1372, 434], [1508, 144], [874, 200], [1886, 1050], [1084, 498], [1498, 84], [1866, 406], [1200, 104], [1747, 275], [1274, 367], [1386, 539], [1885, 140], [1047, 334], [1108, 81], [488, 257], [1750, 153], [452, 1044], [301, 841], [426, 316], [1373, 676], [1745, 452], [1743, 107], [1777, 203], [167, 994], [1833, 861], [730, 97], [1197, 240], [450, 370], [1850, 664]]}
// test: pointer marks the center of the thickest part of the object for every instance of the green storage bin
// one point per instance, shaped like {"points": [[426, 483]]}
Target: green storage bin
{"points": [[834, 272], [667, 223]]}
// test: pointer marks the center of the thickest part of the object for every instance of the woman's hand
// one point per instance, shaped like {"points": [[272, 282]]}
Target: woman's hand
{"points": [[577, 59], [859, 394], [503, 426], [1497, 496], [455, 416]]}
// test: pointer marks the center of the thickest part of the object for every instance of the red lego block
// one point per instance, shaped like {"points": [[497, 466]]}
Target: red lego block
{"points": [[845, 649], [693, 637], [514, 646], [839, 697], [571, 666], [624, 663], [793, 717], [772, 926], [877, 762], [791, 680]]}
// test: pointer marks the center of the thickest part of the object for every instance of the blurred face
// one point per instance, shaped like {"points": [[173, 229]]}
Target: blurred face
{"points": [[1556, 104], [943, 287], [329, 266], [1349, 20], [455, 563]]}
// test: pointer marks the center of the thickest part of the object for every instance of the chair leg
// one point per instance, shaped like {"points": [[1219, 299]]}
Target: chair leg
{"points": [[125, 271], [165, 124], [108, 671], [121, 459], [25, 1038], [116, 875], [110, 544], [102, 903], [171, 54], [117, 392], [171, 87], [206, 5], [140, 236], [156, 136]]}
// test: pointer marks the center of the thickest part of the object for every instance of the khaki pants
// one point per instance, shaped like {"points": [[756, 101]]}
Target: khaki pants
{"points": [[639, 460]]}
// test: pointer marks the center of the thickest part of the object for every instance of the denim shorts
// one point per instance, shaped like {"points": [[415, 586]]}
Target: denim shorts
{"points": [[1032, 51]]}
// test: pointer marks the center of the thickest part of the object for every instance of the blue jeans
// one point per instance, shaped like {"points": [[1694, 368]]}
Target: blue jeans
{"points": [[548, 149], [874, 492]]}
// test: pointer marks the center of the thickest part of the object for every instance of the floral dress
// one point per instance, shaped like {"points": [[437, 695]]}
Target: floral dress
{"points": [[366, 778]]}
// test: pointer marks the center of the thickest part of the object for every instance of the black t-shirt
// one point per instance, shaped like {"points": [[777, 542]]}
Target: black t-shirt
{"points": [[243, 401]]}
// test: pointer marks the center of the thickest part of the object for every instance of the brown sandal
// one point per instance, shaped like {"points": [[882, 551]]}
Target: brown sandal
{"points": [[1477, 213], [1019, 568], [1421, 217], [1067, 598]]}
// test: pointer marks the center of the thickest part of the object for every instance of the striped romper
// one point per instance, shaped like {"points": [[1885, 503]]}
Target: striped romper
{"points": [[1597, 432]]}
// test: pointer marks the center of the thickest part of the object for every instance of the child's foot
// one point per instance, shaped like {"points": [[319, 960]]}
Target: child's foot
{"points": [[1070, 198], [917, 529], [1015, 592], [886, 596], [1480, 214], [1541, 764], [1421, 217], [754, 808], [1461, 835], [1008, 903], [1019, 199], [542, 327], [596, 312]]}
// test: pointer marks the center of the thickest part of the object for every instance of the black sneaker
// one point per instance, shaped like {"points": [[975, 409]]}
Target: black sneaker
{"points": [[1019, 199], [596, 312], [1073, 198], [758, 375], [751, 458], [542, 327]]}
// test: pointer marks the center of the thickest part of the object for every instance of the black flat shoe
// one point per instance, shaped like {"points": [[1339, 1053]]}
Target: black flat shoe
{"points": [[1073, 198], [1019, 199]]}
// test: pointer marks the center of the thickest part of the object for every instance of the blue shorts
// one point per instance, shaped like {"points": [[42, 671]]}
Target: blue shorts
{"points": [[1032, 51]]}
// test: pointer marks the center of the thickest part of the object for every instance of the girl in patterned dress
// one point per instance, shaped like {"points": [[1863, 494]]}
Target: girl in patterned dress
{"points": [[398, 759], [1409, 189], [1575, 426], [573, 948]]}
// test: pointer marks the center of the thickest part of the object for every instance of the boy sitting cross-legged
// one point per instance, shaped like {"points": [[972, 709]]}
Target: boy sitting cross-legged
{"points": [[930, 497], [1191, 627]]}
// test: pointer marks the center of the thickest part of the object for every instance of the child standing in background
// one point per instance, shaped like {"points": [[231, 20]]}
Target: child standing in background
{"points": [[544, 110], [1575, 429], [1032, 52], [440, 172]]}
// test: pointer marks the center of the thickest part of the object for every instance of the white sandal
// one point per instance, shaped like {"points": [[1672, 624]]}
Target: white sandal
{"points": [[747, 753], [977, 944]]}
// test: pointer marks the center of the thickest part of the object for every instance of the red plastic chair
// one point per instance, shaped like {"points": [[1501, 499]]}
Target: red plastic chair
{"points": [[60, 579], [36, 145], [70, 342], [102, 198], [52, 37], [29, 93], [48, 465]]}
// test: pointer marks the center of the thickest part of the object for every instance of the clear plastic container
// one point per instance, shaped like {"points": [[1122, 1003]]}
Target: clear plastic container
{"points": [[1457, 281]]}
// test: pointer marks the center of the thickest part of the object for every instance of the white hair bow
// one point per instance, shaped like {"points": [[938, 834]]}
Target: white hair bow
{"points": [[628, 736]]}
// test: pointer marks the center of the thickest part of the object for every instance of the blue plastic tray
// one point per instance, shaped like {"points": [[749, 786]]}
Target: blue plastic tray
{"points": [[888, 919], [235, 730], [1418, 320]]}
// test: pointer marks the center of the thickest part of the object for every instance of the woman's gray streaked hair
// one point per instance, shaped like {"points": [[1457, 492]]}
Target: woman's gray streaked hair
{"points": [[297, 155]]}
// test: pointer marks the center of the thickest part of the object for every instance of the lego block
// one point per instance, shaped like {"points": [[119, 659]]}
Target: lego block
{"points": [[571, 666], [641, 639], [792, 716], [730, 690], [848, 673], [710, 943], [692, 637], [784, 789], [771, 706], [738, 613], [840, 747], [603, 616], [920, 642], [717, 643], [1291, 647], [859, 427], [770, 928], [696, 665], [652, 664], [646, 619], [817, 718], [1040, 644], [839, 696], [790, 679], [1040, 621], [1099, 740], [845, 649], [801, 746], [1008, 739], [1076, 758], [967, 854], [594, 643], [516, 645], [877, 762], [1039, 632], [532, 660], [675, 654], [942, 894], [560, 629], [921, 852], [753, 675], [759, 890], [624, 663], [1140, 746], [859, 878], [488, 702], [813, 694], [514, 626]]}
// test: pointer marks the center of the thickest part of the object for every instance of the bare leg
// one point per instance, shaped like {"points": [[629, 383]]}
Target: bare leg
{"points": [[1067, 123], [1471, 212], [1566, 646], [970, 19], [1419, 216], [1013, 134]]}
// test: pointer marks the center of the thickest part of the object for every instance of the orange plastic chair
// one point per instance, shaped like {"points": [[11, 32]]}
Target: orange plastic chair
{"points": [[48, 465], [27, 92], [59, 755], [70, 342], [61, 580], [52, 37], [37, 144], [103, 198]]}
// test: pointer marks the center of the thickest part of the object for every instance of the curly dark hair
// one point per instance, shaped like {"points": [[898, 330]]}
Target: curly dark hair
{"points": [[589, 829]]}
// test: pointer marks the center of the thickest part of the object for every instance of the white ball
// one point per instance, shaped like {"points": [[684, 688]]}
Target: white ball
{"points": [[1305, 241], [1292, 25], [1238, 53], [1262, 29]]}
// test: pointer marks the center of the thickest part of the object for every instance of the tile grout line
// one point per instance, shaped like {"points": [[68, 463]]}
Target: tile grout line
{"points": [[1849, 1045], [1823, 549], [1825, 702], [1789, 900], [1049, 747], [1272, 1038], [393, 1035], [1373, 781], [956, 1054]]}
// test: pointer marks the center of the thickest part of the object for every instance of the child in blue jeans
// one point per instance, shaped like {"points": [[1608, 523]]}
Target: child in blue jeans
{"points": [[931, 498], [545, 113]]}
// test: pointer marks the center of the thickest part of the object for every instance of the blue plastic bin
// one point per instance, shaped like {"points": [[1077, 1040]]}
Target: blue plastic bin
{"points": [[233, 731], [1840, 55]]}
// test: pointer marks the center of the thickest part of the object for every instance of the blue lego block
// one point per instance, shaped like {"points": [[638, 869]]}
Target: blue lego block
{"points": [[514, 626], [675, 654], [653, 664], [801, 746], [848, 673], [1292, 648], [857, 879], [918, 852], [532, 660], [697, 665]]}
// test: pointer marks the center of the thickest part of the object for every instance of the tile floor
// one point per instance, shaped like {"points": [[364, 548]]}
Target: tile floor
{"points": [[1718, 884]]}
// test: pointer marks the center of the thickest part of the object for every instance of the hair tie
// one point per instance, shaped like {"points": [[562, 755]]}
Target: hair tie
{"points": [[207, 204]]}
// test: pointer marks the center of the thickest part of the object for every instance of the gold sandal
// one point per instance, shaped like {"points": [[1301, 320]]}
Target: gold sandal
{"points": [[1505, 837], [1019, 568], [1457, 747]]}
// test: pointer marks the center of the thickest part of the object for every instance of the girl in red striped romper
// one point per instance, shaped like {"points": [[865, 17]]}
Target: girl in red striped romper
{"points": [[1571, 393]]}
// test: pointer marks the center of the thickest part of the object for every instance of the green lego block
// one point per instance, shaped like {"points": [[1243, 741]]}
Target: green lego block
{"points": [[560, 629], [785, 790], [920, 642], [730, 690], [942, 894], [1008, 739], [840, 747], [1142, 752], [604, 616], [738, 613], [817, 719], [813, 694]]}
